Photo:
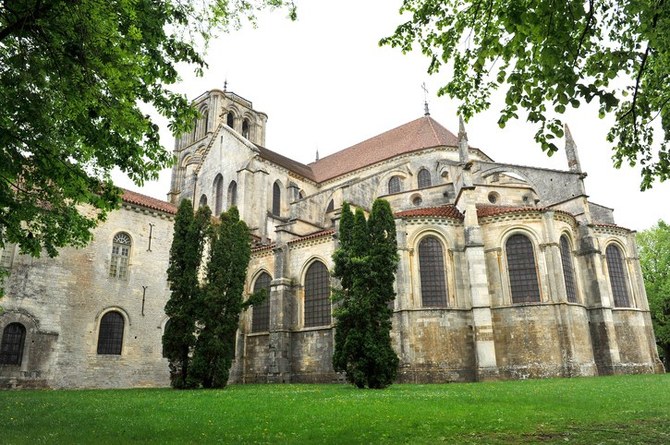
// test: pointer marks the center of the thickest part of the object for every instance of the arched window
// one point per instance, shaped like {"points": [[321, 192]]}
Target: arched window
{"points": [[432, 272], [218, 194], [118, 266], [568, 270], [11, 348], [245, 128], [110, 336], [260, 315], [203, 200], [276, 199], [522, 272], [331, 206], [317, 295], [394, 185], [618, 276], [232, 194], [424, 178], [205, 121], [230, 119]]}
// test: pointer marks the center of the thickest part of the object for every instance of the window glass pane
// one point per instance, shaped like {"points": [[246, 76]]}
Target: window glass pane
{"points": [[276, 199], [11, 349], [260, 320], [110, 337], [522, 271], [432, 271], [118, 267], [394, 185], [424, 178], [618, 276], [568, 271], [317, 295]]}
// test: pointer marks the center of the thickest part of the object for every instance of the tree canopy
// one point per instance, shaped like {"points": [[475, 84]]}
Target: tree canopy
{"points": [[654, 246], [75, 77], [551, 55]]}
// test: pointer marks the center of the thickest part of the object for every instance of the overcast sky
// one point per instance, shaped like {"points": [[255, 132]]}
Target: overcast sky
{"points": [[326, 84]]}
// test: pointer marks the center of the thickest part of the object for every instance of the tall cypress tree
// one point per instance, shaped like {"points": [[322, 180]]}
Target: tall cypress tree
{"points": [[219, 312], [382, 367], [185, 260], [365, 263]]}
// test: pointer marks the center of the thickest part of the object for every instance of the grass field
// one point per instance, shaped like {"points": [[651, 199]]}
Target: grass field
{"points": [[611, 410]]}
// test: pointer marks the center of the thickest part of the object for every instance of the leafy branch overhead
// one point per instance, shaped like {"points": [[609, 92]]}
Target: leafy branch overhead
{"points": [[550, 55], [73, 78]]}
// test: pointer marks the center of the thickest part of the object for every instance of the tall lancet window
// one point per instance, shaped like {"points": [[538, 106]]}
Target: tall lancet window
{"points": [[232, 194], [276, 199], [568, 270], [317, 295], [218, 194], [432, 272], [522, 272], [617, 275], [245, 128], [260, 315]]}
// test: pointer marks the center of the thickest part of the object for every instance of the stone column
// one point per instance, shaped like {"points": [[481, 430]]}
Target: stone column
{"points": [[558, 293], [599, 303], [281, 297]]}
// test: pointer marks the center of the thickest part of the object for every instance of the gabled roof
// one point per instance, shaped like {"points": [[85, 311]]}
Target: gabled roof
{"points": [[289, 164], [148, 202], [421, 133]]}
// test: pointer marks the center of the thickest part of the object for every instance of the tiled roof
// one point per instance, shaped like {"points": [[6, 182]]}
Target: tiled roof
{"points": [[287, 163], [484, 210], [421, 133], [318, 234], [488, 210], [447, 211], [148, 202]]}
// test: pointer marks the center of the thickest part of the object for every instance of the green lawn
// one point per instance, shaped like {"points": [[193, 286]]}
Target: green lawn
{"points": [[613, 410]]}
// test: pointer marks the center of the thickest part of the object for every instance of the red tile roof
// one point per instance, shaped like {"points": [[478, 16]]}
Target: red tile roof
{"points": [[485, 210], [447, 211], [148, 202], [318, 234], [421, 133]]}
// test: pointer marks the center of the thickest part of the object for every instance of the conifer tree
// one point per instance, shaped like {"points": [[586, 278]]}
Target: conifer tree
{"points": [[185, 259], [365, 263], [219, 311]]}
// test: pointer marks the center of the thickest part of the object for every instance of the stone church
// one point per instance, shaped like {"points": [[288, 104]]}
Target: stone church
{"points": [[506, 271]]}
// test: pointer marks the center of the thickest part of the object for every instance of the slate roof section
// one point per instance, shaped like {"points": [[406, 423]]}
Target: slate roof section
{"points": [[421, 133], [447, 211], [148, 202]]}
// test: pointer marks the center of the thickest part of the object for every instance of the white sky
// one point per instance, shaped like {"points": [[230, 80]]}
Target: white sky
{"points": [[325, 83]]}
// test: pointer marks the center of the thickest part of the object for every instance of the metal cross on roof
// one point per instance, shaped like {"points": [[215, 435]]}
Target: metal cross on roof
{"points": [[425, 99]]}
